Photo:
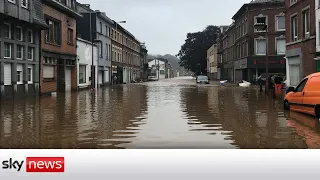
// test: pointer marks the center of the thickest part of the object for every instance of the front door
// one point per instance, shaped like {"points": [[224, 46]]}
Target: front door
{"points": [[297, 98]]}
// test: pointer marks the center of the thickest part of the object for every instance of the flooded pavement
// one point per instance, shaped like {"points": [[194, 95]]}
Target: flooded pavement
{"points": [[174, 113]]}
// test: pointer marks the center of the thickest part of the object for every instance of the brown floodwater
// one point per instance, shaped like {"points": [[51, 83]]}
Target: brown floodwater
{"points": [[174, 113]]}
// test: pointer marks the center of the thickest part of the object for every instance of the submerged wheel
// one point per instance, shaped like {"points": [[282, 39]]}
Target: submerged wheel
{"points": [[286, 105]]}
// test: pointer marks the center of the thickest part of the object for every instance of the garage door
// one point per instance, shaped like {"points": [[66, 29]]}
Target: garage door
{"points": [[100, 77], [68, 79], [294, 74], [7, 74]]}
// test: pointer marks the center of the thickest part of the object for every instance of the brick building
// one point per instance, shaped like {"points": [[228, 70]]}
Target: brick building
{"points": [[21, 23], [317, 58], [126, 55], [58, 66], [301, 37], [244, 46]]}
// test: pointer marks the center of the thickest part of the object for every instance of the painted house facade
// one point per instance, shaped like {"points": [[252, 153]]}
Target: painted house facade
{"points": [[87, 55], [317, 21], [21, 23], [58, 65]]}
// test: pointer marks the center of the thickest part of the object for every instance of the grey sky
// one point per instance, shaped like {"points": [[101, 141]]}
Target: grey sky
{"points": [[164, 24]]}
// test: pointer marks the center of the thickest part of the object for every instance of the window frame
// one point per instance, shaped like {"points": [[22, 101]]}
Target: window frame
{"points": [[276, 45], [20, 75], [30, 75], [85, 75], [57, 38], [10, 30], [255, 22], [304, 80], [21, 35], [22, 51], [256, 45], [306, 34], [28, 31], [12, 1], [277, 23], [294, 33], [32, 54], [26, 5], [10, 50], [70, 38]]}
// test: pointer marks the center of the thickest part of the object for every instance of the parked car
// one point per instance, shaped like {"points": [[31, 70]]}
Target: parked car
{"points": [[203, 79], [152, 78], [305, 98]]}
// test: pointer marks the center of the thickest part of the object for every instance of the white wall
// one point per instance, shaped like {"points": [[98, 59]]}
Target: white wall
{"points": [[84, 57], [317, 25], [162, 66]]}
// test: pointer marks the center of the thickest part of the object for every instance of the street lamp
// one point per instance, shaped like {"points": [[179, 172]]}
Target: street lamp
{"points": [[264, 27]]}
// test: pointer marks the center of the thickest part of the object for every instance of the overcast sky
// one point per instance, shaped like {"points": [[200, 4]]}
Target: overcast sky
{"points": [[164, 24]]}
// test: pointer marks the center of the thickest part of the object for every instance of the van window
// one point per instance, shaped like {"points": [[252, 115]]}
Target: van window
{"points": [[301, 86], [313, 84]]}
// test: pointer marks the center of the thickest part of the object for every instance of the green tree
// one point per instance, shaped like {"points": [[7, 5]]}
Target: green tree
{"points": [[193, 52]]}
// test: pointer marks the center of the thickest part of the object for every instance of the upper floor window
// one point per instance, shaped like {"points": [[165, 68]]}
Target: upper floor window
{"points": [[7, 30], [70, 36], [294, 28], [53, 34], [101, 27], [12, 1], [306, 23], [109, 31], [280, 23], [260, 20], [260, 46], [24, 3], [30, 36], [19, 34], [281, 45], [293, 2]]}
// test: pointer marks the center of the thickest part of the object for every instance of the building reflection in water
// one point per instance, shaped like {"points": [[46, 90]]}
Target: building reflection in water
{"points": [[73, 120]]}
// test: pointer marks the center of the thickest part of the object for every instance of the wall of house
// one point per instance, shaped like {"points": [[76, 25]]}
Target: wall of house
{"points": [[84, 58]]}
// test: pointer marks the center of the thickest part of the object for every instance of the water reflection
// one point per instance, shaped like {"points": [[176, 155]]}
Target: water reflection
{"points": [[166, 114]]}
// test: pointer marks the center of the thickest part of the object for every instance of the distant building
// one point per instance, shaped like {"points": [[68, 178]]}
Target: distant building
{"points": [[157, 68], [212, 62]]}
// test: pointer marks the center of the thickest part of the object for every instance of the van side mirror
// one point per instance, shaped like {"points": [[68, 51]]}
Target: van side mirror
{"points": [[290, 89]]}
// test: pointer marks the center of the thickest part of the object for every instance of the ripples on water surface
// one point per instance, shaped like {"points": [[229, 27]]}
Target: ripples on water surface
{"points": [[172, 113]]}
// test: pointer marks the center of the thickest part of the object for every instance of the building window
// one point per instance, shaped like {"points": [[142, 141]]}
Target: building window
{"points": [[107, 51], [24, 3], [12, 1], [7, 30], [19, 34], [101, 27], [109, 31], [294, 28], [260, 46], [260, 20], [19, 52], [101, 50], [53, 34], [30, 36], [280, 23], [7, 50], [70, 36], [29, 75], [292, 2], [306, 23], [30, 53], [281, 45], [82, 74], [19, 77]]}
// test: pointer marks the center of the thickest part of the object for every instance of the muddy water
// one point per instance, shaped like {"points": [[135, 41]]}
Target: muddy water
{"points": [[174, 113]]}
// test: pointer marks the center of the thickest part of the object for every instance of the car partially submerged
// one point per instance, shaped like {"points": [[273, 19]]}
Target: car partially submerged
{"points": [[203, 80]]}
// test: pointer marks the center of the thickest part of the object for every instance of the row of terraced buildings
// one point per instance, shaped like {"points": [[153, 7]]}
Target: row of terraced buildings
{"points": [[50, 46], [293, 41]]}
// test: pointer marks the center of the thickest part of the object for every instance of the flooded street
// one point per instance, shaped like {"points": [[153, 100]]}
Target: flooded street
{"points": [[174, 113]]}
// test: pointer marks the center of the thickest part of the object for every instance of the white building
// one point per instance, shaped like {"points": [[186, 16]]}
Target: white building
{"points": [[84, 63], [160, 72], [317, 4]]}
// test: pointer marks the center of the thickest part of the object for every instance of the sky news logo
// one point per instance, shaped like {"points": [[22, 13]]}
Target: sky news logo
{"points": [[35, 164]]}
